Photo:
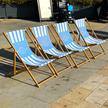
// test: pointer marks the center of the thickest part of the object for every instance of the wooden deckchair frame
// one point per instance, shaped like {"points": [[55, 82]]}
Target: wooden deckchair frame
{"points": [[52, 28], [45, 55], [93, 33], [51, 68]]}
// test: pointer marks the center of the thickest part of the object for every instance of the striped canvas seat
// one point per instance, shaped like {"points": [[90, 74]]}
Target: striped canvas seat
{"points": [[80, 23], [63, 31], [19, 42], [43, 38]]}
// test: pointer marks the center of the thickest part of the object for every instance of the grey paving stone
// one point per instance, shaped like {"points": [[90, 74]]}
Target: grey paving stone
{"points": [[17, 94]]}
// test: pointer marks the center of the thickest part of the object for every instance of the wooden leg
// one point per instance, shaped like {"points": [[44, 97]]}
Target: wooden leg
{"points": [[74, 61], [52, 69], [14, 63], [68, 60], [31, 75], [86, 55], [56, 73], [102, 49], [91, 53]]}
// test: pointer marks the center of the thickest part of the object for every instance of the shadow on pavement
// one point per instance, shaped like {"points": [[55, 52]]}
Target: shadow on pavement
{"points": [[102, 34]]}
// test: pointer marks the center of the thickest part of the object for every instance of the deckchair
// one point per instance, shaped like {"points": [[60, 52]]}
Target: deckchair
{"points": [[41, 35], [90, 39], [18, 42], [62, 29]]}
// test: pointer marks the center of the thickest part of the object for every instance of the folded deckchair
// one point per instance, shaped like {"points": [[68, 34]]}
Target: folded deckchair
{"points": [[18, 42], [41, 35], [65, 36], [89, 38]]}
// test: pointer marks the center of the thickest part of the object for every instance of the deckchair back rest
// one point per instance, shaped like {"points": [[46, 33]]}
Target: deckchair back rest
{"points": [[64, 33], [19, 42], [81, 25], [42, 35]]}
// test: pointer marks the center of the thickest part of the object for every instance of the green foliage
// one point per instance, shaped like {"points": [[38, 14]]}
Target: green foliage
{"points": [[85, 2], [13, 1]]}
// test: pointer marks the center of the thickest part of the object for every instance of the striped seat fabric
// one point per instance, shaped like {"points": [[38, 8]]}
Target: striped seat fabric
{"points": [[19, 42], [63, 31], [80, 23], [42, 35]]}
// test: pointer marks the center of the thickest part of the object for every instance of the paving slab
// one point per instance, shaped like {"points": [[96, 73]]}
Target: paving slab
{"points": [[99, 96], [104, 71], [93, 82], [77, 95]]}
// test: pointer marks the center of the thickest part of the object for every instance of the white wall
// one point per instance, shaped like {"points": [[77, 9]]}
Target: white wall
{"points": [[45, 8]]}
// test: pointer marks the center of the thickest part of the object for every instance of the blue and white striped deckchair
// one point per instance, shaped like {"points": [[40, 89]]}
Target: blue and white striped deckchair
{"points": [[19, 43], [80, 23], [42, 35], [84, 34], [63, 31]]}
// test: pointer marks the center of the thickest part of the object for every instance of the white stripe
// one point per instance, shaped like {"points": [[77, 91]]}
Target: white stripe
{"points": [[15, 36], [83, 22], [58, 52], [79, 23], [47, 51], [70, 45], [51, 52], [55, 51], [39, 59], [33, 61], [63, 27], [66, 26], [38, 30], [28, 61], [75, 46], [22, 35], [35, 32], [76, 22], [58, 28], [67, 46], [23, 60], [19, 37], [45, 29], [11, 37], [41, 29]]}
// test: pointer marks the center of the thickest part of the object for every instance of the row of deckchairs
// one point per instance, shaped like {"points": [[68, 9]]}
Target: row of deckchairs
{"points": [[64, 37]]}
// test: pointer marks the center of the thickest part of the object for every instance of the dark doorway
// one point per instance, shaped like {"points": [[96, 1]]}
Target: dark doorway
{"points": [[28, 11]]}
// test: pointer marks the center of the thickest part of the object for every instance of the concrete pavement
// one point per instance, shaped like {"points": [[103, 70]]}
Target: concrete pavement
{"points": [[75, 88]]}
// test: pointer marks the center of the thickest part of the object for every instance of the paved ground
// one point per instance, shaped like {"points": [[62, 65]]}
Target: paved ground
{"points": [[84, 87]]}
